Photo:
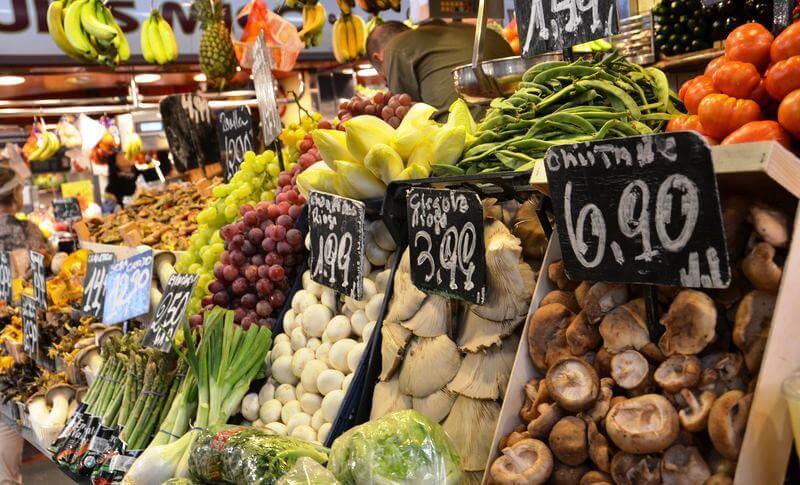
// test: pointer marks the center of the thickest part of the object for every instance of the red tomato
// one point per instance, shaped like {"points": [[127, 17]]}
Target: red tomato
{"points": [[737, 79], [783, 77], [721, 114], [786, 44], [694, 90], [759, 131], [749, 43], [789, 113], [714, 65], [689, 123]]}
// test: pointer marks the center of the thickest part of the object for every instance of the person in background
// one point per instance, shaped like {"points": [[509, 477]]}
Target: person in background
{"points": [[420, 61], [15, 235]]}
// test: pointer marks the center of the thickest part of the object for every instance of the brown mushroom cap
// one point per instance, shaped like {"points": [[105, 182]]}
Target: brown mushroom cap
{"points": [[531, 390], [566, 298], [527, 462], [581, 290], [722, 372], [771, 224], [760, 268], [595, 477], [719, 479], [564, 474], [628, 469], [546, 332], [599, 451], [108, 333], [549, 414], [568, 441], [691, 322], [60, 388], [581, 335], [601, 298], [750, 332], [683, 465], [84, 353], [643, 424], [624, 327], [601, 406], [629, 369], [694, 414], [727, 421], [573, 384], [557, 275], [677, 372]]}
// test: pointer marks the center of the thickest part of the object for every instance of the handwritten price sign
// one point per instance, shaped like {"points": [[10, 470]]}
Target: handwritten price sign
{"points": [[94, 283], [170, 311], [6, 292], [128, 288], [39, 281]]}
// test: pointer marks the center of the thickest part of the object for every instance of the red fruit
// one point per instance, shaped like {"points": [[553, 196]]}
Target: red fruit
{"points": [[276, 272], [245, 209]]}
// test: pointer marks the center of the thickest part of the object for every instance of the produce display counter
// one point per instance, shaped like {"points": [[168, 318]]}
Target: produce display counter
{"points": [[690, 61]]}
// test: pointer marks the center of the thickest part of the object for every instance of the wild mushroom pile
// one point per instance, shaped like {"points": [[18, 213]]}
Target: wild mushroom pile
{"points": [[620, 404], [451, 361]]}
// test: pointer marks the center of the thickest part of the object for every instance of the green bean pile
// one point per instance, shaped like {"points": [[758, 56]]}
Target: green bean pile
{"points": [[559, 102]]}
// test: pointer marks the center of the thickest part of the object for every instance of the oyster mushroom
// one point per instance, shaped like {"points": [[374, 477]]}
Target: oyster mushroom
{"points": [[387, 398], [407, 298], [555, 271], [628, 469], [599, 451], [750, 332], [678, 372], [629, 369], [527, 462], [548, 416], [546, 332], [601, 406], [690, 322], [394, 341], [509, 280], [432, 319], [477, 333], [580, 335], [568, 441], [694, 415], [470, 425], [566, 298], [643, 424], [624, 327], [573, 384], [429, 365], [485, 374], [771, 224], [436, 406], [601, 298], [727, 421], [760, 268], [595, 477], [683, 465]]}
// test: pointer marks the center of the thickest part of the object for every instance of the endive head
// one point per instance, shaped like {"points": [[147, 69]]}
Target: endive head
{"points": [[413, 171], [332, 145], [415, 127], [362, 132], [448, 143], [423, 153], [317, 177], [384, 162], [356, 182], [461, 116]]}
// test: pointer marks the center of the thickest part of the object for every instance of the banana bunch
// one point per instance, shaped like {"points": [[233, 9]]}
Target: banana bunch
{"points": [[373, 22], [346, 6], [314, 17], [86, 31], [158, 40], [349, 38], [132, 147], [47, 145]]}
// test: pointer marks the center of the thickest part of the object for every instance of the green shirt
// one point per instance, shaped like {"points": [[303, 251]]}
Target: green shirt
{"points": [[420, 61]]}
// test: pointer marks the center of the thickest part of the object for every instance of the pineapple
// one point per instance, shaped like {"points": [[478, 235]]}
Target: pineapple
{"points": [[217, 57]]}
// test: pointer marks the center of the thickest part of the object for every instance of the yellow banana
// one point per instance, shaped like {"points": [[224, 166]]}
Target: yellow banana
{"points": [[52, 146], [313, 22], [55, 24], [360, 29], [352, 47], [93, 25], [75, 33], [147, 50], [167, 39], [123, 48], [339, 40], [156, 45]]}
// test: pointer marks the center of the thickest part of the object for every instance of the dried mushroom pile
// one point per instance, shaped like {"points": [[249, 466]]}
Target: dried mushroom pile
{"points": [[452, 361], [165, 219], [620, 404]]}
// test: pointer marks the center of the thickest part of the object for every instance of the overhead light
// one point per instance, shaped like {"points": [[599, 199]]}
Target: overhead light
{"points": [[201, 78], [364, 66], [369, 72], [347, 71], [146, 78], [78, 79], [11, 80]]}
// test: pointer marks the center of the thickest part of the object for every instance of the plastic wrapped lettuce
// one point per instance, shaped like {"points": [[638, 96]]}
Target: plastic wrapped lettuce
{"points": [[403, 447], [247, 455], [307, 472]]}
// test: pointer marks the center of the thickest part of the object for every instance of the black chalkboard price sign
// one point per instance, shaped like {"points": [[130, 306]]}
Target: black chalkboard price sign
{"points": [[39, 282], [67, 210], [170, 311], [128, 288], [235, 130], [336, 226], [94, 283], [642, 209], [30, 327], [6, 292], [445, 238], [188, 125], [548, 26]]}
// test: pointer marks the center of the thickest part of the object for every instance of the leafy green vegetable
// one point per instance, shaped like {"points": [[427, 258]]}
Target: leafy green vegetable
{"points": [[404, 447]]}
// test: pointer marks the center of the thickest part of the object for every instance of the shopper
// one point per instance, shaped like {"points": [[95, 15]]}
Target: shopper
{"points": [[420, 61]]}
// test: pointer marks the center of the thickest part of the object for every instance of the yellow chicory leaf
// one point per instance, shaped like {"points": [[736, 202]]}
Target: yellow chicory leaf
{"points": [[317, 177], [363, 132], [332, 145], [357, 182], [413, 171], [448, 143], [384, 162]]}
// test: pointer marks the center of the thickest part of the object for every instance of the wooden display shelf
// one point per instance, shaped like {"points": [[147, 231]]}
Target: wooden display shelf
{"points": [[689, 61]]}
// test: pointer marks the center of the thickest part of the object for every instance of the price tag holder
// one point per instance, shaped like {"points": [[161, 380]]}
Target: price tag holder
{"points": [[641, 209], [128, 288], [264, 86], [235, 131], [6, 290], [552, 26], [445, 239], [39, 279], [94, 283], [30, 327], [170, 311], [67, 209], [336, 226]]}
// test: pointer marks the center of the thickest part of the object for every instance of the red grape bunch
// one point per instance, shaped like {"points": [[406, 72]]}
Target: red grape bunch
{"points": [[392, 108], [309, 153], [262, 252]]}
